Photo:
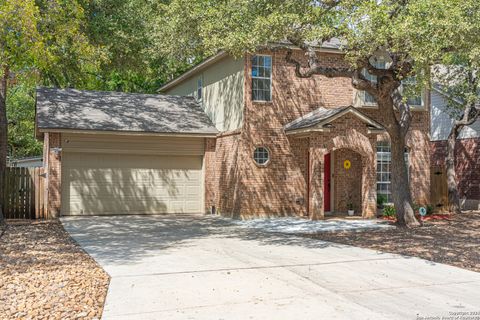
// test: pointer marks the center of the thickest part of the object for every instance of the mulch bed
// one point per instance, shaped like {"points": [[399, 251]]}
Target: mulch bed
{"points": [[452, 239], [46, 275]]}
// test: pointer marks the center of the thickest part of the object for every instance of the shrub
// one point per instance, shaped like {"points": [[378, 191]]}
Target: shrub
{"points": [[429, 209], [389, 211], [416, 208], [381, 199]]}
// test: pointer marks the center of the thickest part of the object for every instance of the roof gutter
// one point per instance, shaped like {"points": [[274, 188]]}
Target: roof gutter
{"points": [[130, 133]]}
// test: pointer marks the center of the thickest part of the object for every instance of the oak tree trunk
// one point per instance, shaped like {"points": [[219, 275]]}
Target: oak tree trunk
{"points": [[3, 132], [453, 197], [397, 122], [401, 193]]}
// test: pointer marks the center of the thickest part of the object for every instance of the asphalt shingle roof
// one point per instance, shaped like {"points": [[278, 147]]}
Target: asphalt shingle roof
{"points": [[116, 111], [314, 117], [324, 115]]}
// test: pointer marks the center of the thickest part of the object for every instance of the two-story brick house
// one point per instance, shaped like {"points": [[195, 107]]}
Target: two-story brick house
{"points": [[241, 137], [296, 146]]}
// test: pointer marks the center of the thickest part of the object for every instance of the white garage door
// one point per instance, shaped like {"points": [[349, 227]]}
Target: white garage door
{"points": [[95, 184]]}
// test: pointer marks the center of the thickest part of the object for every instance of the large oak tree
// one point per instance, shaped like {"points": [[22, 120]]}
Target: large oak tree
{"points": [[412, 34], [41, 39]]}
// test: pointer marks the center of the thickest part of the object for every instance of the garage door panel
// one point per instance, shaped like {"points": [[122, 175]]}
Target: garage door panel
{"points": [[130, 184]]}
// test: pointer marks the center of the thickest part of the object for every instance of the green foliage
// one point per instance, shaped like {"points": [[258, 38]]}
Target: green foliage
{"points": [[460, 80], [126, 31], [46, 37], [98, 45], [350, 206], [21, 111], [389, 211], [429, 209], [421, 31], [381, 199], [416, 207], [20, 41], [41, 42], [193, 27], [68, 58]]}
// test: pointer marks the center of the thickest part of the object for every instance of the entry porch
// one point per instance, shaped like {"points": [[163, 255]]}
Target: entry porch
{"points": [[341, 161]]}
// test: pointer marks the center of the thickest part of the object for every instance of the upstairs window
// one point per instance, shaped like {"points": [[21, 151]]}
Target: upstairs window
{"points": [[382, 62], [366, 98], [199, 89], [262, 78], [414, 100]]}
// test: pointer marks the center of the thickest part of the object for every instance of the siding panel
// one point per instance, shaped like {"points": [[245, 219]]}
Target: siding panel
{"points": [[223, 87], [127, 144], [442, 123]]}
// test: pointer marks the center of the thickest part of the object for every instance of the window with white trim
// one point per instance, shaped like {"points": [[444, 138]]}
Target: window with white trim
{"points": [[413, 100], [381, 62], [366, 98], [261, 78], [199, 89], [384, 173], [261, 156]]}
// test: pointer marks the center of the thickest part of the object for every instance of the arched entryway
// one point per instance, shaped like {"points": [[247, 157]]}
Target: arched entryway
{"points": [[354, 186], [344, 192], [333, 130]]}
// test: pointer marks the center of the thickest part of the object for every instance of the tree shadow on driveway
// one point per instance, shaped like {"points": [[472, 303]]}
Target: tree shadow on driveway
{"points": [[128, 239]]}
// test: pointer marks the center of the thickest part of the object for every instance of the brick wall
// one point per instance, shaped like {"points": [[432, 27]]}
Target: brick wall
{"points": [[227, 181], [52, 160], [347, 183], [467, 164], [209, 174], [280, 188]]}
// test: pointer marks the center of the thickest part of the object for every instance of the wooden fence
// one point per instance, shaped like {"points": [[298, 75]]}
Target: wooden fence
{"points": [[438, 187], [24, 193]]}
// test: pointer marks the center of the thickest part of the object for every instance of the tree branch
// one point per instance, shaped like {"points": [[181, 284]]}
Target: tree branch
{"points": [[314, 67], [365, 64], [359, 82], [404, 110]]}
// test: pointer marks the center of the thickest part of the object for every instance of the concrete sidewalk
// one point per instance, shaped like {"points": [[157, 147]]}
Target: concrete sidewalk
{"points": [[212, 268]]}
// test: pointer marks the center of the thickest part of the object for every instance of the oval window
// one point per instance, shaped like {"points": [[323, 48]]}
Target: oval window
{"points": [[261, 155]]}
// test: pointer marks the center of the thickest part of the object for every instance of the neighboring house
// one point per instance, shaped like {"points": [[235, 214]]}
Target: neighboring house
{"points": [[467, 152], [28, 162], [267, 144]]}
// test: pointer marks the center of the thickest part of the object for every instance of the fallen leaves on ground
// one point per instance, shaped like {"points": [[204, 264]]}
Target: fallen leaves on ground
{"points": [[46, 275], [454, 241]]}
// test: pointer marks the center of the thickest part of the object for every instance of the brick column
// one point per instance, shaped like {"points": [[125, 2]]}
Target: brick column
{"points": [[369, 182], [209, 174], [54, 174], [316, 179]]}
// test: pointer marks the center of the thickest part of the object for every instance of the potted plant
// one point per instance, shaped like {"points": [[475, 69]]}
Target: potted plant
{"points": [[350, 208]]}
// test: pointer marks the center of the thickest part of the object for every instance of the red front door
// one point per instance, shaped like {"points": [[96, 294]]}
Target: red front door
{"points": [[326, 183]]}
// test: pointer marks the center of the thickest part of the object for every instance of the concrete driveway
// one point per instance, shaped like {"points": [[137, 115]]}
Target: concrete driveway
{"points": [[212, 268]]}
